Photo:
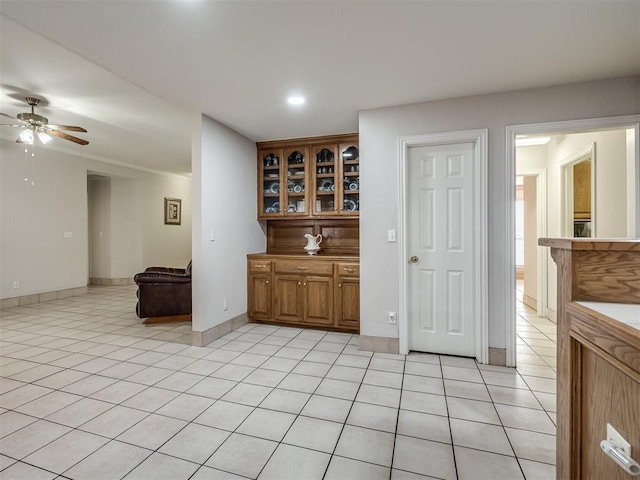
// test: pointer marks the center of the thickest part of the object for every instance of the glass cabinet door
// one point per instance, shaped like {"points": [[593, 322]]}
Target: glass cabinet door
{"points": [[350, 171], [270, 179], [295, 193], [325, 173]]}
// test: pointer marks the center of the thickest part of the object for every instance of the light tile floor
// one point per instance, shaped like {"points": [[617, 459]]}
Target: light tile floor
{"points": [[89, 392]]}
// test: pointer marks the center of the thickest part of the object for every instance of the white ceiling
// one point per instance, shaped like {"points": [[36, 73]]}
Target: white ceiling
{"points": [[139, 69]]}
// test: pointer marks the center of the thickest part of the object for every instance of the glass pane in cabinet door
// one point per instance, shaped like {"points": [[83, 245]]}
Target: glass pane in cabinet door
{"points": [[271, 183], [325, 175], [295, 193], [351, 179]]}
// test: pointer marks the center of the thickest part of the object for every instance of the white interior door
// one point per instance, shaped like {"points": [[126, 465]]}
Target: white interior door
{"points": [[440, 245]]}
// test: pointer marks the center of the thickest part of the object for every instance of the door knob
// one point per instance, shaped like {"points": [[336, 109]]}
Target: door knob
{"points": [[413, 259]]}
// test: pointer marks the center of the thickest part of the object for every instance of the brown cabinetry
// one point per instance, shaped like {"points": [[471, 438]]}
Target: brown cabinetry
{"points": [[304, 291], [310, 177], [598, 353], [347, 294], [259, 305]]}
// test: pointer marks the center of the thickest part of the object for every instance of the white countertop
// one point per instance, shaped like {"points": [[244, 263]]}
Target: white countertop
{"points": [[627, 313]]}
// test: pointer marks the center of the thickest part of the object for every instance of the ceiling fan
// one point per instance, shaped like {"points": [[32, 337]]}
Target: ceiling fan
{"points": [[35, 125]]}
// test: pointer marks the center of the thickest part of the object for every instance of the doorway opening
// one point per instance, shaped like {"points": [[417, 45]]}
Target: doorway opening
{"points": [[591, 175]]}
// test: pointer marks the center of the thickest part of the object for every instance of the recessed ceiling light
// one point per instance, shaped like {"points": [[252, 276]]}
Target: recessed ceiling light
{"points": [[295, 100]]}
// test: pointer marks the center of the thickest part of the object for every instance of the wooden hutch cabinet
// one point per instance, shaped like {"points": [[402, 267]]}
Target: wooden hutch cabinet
{"points": [[313, 177], [309, 185]]}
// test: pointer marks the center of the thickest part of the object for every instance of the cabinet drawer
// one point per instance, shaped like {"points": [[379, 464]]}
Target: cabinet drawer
{"points": [[350, 269], [304, 267], [260, 265]]}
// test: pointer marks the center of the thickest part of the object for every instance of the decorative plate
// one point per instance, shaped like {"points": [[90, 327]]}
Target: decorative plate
{"points": [[291, 208], [324, 155], [326, 184], [350, 205], [295, 157], [274, 187]]}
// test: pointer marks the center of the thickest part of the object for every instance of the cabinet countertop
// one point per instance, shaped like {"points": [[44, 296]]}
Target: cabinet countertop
{"points": [[626, 313], [319, 257]]}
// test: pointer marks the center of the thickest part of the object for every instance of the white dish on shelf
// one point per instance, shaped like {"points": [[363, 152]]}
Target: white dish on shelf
{"points": [[350, 205], [274, 187], [272, 175], [327, 184]]}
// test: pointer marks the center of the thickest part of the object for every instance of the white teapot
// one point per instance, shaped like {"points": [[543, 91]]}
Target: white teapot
{"points": [[313, 243]]}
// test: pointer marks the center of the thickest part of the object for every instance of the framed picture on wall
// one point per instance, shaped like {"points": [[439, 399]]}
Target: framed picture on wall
{"points": [[172, 211]]}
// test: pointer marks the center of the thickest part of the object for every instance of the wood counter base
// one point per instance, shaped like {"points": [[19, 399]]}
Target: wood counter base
{"points": [[598, 356], [304, 291]]}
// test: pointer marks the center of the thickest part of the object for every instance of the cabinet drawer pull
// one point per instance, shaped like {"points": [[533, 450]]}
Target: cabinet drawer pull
{"points": [[305, 284], [349, 269], [300, 267], [298, 283], [267, 282], [340, 285], [260, 266]]}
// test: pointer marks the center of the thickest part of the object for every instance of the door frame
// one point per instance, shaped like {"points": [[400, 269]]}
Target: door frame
{"points": [[568, 126], [479, 138], [541, 231]]}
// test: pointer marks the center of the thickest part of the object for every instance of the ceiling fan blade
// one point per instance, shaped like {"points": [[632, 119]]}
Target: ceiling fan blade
{"points": [[71, 138], [12, 118], [66, 127]]}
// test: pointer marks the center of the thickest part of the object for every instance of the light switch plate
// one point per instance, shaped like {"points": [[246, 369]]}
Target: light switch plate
{"points": [[614, 437], [391, 235]]}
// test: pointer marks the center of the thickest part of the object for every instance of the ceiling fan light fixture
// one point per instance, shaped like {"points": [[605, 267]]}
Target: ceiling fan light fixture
{"points": [[26, 136], [44, 137]]}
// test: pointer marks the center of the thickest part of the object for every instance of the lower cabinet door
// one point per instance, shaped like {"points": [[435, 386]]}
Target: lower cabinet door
{"points": [[260, 306], [318, 293], [348, 302], [288, 291]]}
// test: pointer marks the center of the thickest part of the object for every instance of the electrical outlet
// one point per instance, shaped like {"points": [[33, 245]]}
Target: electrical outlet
{"points": [[392, 317], [614, 437], [16, 284], [225, 304]]}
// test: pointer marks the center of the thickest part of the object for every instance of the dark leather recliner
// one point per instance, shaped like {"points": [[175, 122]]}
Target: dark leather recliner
{"points": [[164, 291]]}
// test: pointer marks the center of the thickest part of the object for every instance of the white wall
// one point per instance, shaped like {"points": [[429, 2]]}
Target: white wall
{"points": [[33, 219], [379, 133], [633, 197], [224, 194], [99, 191], [126, 228], [610, 178], [530, 238]]}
